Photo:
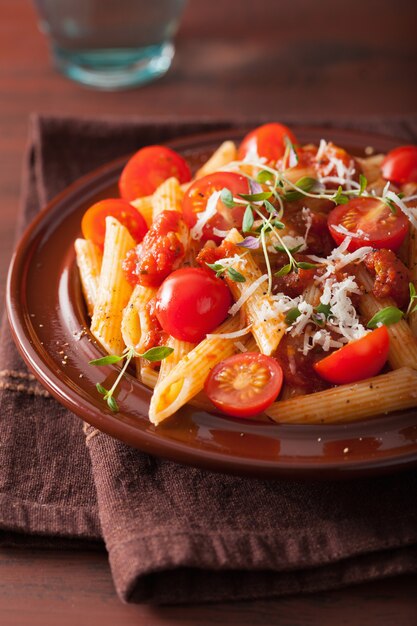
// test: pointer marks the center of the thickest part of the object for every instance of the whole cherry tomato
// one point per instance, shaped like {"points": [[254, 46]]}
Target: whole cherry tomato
{"points": [[93, 223], [244, 384], [192, 302], [268, 141], [149, 168], [400, 165], [197, 196]]}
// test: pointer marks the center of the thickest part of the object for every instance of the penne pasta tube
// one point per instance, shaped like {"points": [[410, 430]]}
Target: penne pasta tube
{"points": [[136, 321], [267, 329], [167, 197], [403, 344], [181, 349], [89, 258], [393, 391], [187, 378], [145, 206], [113, 290], [225, 154]]}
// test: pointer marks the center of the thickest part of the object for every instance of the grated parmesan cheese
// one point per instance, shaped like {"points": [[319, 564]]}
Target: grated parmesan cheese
{"points": [[246, 293], [410, 212], [234, 335], [210, 211]]}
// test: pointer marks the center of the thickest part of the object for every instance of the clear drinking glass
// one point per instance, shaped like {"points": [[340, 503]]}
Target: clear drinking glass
{"points": [[111, 44]]}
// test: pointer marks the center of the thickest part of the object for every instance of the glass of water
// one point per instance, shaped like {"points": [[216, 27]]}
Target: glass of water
{"points": [[111, 44]]}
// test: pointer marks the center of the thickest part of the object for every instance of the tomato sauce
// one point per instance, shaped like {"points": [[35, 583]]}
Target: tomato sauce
{"points": [[391, 276], [158, 254], [297, 367]]}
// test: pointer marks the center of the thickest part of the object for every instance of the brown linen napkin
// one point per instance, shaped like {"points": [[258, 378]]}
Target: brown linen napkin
{"points": [[174, 533]]}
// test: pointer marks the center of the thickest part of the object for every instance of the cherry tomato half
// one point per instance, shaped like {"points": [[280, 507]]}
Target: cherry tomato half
{"points": [[244, 384], [372, 220], [149, 168], [359, 359], [93, 224], [191, 303], [268, 141], [196, 197], [400, 165]]}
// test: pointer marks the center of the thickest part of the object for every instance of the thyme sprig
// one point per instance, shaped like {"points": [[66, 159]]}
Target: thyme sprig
{"points": [[157, 353]]}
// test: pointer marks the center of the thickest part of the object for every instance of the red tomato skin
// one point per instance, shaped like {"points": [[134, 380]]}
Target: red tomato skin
{"points": [[196, 197], [192, 302], [268, 140], [400, 165], [353, 216], [358, 360], [150, 167], [230, 402], [93, 223]]}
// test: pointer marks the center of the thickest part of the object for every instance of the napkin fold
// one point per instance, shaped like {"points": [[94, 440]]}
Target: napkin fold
{"points": [[174, 533]]}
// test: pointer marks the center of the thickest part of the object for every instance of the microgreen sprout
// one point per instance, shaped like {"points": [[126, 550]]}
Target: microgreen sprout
{"points": [[157, 353]]}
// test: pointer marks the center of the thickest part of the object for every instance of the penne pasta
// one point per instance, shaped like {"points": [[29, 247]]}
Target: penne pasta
{"points": [[113, 290], [267, 330], [350, 403], [312, 288], [89, 258], [403, 344], [225, 154], [187, 378], [136, 321], [168, 197], [145, 205]]}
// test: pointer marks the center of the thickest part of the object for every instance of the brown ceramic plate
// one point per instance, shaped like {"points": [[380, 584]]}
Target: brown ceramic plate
{"points": [[46, 313]]}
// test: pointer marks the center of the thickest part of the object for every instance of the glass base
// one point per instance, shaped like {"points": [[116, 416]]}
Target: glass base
{"points": [[114, 69]]}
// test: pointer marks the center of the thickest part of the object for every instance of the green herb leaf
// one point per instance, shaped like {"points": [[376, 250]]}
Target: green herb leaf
{"points": [[248, 219], [102, 390], [216, 267], [363, 183], [306, 184], [107, 360], [292, 315], [284, 270], [291, 250], [340, 197], [412, 289], [263, 176], [112, 404], [236, 276], [389, 315], [391, 205], [269, 207], [278, 224], [291, 148], [306, 266], [256, 197], [324, 309], [322, 312], [158, 353], [226, 197]]}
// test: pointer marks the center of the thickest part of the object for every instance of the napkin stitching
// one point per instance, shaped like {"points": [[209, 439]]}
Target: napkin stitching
{"points": [[21, 388], [16, 374]]}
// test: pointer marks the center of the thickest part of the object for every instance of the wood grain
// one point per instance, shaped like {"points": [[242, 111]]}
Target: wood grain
{"points": [[65, 588], [266, 57]]}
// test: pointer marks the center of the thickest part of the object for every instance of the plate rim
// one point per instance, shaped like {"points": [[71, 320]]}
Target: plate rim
{"points": [[150, 443]]}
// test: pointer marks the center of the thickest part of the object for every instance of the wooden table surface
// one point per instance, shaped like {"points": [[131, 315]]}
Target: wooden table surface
{"points": [[248, 58]]}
